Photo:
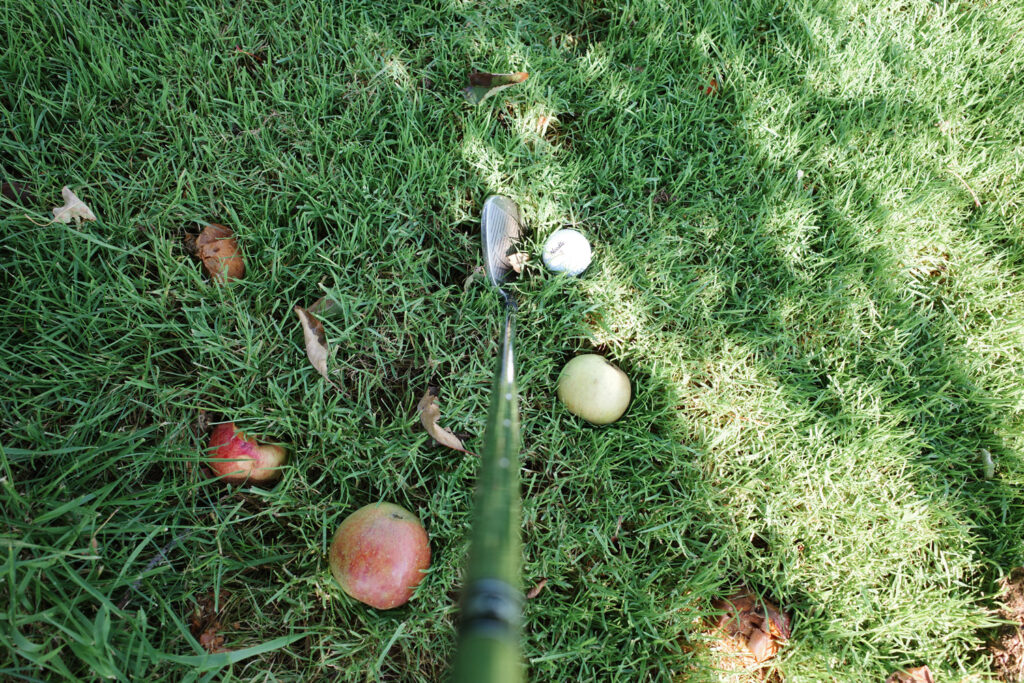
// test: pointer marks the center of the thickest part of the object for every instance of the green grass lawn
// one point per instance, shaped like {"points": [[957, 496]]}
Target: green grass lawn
{"points": [[813, 274]]}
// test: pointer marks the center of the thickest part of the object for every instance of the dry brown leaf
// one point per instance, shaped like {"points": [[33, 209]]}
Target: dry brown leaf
{"points": [[478, 270], [212, 642], [755, 624], [535, 591], [206, 622], [518, 261], [430, 413], [217, 249], [322, 305], [16, 192], [778, 621], [761, 645], [483, 85], [918, 674], [202, 424], [316, 341], [739, 614], [543, 123], [74, 208]]}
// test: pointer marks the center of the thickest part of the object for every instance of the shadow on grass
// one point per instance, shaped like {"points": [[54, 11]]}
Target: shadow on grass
{"points": [[843, 305]]}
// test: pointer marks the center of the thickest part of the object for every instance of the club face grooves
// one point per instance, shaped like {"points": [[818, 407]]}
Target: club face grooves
{"points": [[500, 229]]}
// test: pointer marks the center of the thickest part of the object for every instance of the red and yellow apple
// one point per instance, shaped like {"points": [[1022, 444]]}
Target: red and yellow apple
{"points": [[237, 458], [594, 389], [379, 554]]}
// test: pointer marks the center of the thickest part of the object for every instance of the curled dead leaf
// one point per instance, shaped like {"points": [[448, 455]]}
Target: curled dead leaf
{"points": [[535, 591], [217, 249], [761, 645], [917, 674], [322, 306], [212, 642], [316, 341], [757, 623], [206, 622], [430, 413], [543, 123], [202, 424], [483, 85], [477, 271], [518, 261], [486, 80], [74, 208]]}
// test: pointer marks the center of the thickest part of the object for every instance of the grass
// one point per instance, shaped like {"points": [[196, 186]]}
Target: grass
{"points": [[812, 274]]}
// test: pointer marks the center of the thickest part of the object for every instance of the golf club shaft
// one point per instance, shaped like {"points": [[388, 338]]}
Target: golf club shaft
{"points": [[489, 649]]}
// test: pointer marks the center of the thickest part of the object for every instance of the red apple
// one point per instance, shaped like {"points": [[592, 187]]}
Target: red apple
{"points": [[237, 458], [379, 554]]}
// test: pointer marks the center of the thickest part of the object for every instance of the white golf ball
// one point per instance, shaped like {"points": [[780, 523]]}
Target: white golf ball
{"points": [[567, 251]]}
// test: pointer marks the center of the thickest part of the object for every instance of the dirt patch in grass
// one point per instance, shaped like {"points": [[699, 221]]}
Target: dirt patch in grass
{"points": [[1008, 647]]}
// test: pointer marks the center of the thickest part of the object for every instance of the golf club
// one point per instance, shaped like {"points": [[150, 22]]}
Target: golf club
{"points": [[492, 603]]}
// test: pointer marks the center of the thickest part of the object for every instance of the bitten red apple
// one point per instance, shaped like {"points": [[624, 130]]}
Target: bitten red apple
{"points": [[238, 458], [379, 554]]}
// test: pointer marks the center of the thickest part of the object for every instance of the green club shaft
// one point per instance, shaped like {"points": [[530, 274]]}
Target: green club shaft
{"points": [[489, 647]]}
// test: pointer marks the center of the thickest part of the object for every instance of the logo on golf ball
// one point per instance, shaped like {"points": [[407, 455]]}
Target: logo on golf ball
{"points": [[567, 251]]}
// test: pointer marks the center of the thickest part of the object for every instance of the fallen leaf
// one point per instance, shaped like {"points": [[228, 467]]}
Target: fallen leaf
{"points": [[206, 622], [316, 341], [918, 674], [535, 591], [663, 197], [518, 261], [756, 623], [15, 191], [761, 645], [217, 249], [542, 125], [322, 305], [483, 85], [478, 270], [212, 642], [739, 614], [202, 424], [74, 208], [711, 88], [778, 621], [430, 413]]}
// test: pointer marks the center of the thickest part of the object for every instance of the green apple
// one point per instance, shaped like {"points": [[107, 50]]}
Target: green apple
{"points": [[594, 389]]}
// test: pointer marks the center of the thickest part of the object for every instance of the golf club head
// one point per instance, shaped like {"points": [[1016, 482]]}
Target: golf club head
{"points": [[500, 228]]}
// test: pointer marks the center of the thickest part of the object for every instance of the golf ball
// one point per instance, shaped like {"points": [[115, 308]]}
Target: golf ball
{"points": [[567, 251]]}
